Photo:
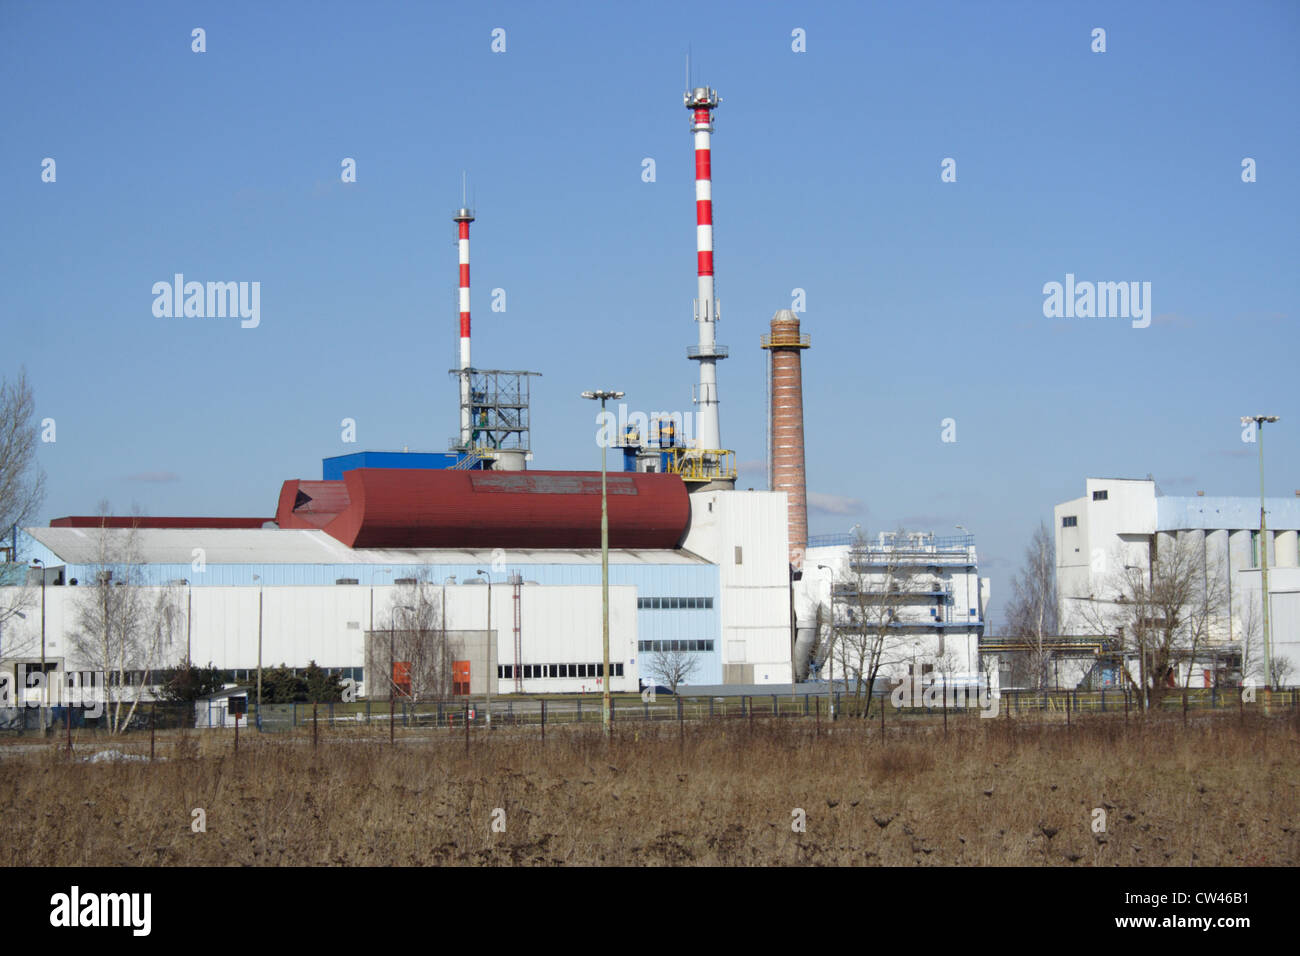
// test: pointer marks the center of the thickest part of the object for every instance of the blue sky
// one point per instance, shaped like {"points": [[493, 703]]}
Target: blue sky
{"points": [[924, 298]]}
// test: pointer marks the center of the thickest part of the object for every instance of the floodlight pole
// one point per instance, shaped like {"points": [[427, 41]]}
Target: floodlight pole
{"points": [[605, 712], [45, 696], [487, 670], [830, 656], [1259, 420]]}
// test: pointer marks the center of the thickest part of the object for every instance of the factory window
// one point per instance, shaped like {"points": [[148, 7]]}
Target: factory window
{"points": [[1099, 496], [740, 555], [1070, 521], [674, 603], [555, 669], [679, 645]]}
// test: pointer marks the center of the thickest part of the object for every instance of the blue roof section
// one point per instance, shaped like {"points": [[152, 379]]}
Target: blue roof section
{"points": [[332, 469], [1174, 514]]}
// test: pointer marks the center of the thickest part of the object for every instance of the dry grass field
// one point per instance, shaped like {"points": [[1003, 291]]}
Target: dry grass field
{"points": [[1223, 791]]}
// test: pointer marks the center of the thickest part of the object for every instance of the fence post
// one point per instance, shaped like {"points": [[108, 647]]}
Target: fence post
{"points": [[710, 707], [1184, 708], [543, 720], [775, 712], [153, 724], [751, 714], [315, 729], [645, 707], [805, 705], [579, 710], [467, 728], [1103, 700], [681, 725], [882, 718]]}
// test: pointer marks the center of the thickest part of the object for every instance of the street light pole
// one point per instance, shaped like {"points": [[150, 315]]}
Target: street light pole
{"points": [[1259, 420], [830, 656], [258, 579], [604, 395], [45, 697], [487, 671], [392, 674]]}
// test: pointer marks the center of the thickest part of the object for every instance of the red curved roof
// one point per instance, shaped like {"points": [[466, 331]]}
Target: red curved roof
{"points": [[416, 508]]}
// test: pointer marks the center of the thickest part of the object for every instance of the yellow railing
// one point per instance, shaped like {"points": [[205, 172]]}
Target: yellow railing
{"points": [[703, 464], [786, 340]]}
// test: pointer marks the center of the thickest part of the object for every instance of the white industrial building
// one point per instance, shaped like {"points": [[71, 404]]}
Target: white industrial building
{"points": [[244, 596], [1120, 523], [925, 590], [271, 595]]}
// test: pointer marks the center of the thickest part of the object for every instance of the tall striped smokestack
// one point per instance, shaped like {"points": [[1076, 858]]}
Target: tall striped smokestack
{"points": [[463, 218], [786, 453], [702, 101]]}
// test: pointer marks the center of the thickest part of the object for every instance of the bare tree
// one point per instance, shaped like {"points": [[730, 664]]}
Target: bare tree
{"points": [[22, 482], [420, 639], [119, 630], [874, 598], [1162, 609], [22, 491], [671, 666], [1032, 613], [1251, 629]]}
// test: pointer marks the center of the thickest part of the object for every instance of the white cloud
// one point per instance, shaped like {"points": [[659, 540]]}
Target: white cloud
{"points": [[833, 504]]}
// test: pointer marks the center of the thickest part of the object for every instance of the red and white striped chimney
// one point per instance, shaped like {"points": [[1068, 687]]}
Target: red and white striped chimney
{"points": [[463, 218], [702, 101]]}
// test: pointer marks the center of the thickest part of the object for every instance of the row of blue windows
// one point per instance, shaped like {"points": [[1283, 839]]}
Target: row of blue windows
{"points": [[673, 603], [683, 645]]}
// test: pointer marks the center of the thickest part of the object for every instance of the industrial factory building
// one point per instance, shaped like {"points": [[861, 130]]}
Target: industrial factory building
{"points": [[500, 567], [1121, 524]]}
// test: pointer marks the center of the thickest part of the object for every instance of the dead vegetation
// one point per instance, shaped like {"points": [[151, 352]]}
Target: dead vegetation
{"points": [[1222, 791]]}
